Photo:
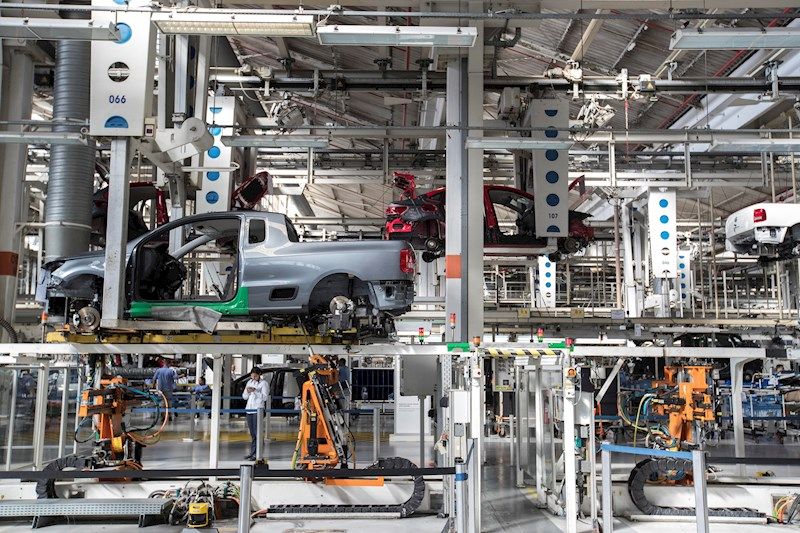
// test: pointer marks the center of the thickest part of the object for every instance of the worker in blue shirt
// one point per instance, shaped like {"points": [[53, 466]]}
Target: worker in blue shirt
{"points": [[164, 379], [344, 371]]}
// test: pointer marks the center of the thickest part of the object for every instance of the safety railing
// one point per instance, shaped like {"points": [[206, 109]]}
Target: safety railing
{"points": [[698, 459]]}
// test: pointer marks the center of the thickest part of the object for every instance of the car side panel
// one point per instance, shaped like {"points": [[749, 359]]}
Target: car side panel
{"points": [[278, 263]]}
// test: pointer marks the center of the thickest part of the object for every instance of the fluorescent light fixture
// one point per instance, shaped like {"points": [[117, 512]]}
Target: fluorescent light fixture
{"points": [[274, 141], [516, 143], [47, 29], [355, 35], [757, 146], [735, 39], [209, 23]]}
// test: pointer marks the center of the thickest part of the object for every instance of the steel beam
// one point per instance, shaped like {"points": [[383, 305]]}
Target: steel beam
{"points": [[116, 232]]}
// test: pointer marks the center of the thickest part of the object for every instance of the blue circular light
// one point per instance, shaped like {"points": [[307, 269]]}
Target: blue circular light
{"points": [[683, 276], [663, 202], [551, 155], [551, 133], [215, 130], [548, 284], [212, 197], [683, 296], [551, 177], [552, 229], [121, 2], [213, 175], [552, 200], [683, 285], [682, 265], [547, 264], [551, 112], [548, 274], [681, 256], [125, 32], [665, 235], [214, 152], [663, 219]]}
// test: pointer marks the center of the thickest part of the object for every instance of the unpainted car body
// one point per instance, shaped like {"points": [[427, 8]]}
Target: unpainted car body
{"points": [[420, 220], [270, 273]]}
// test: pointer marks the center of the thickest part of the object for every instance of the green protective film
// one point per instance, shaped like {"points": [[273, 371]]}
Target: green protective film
{"points": [[238, 306]]}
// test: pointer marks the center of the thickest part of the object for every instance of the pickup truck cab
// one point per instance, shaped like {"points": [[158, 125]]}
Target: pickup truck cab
{"points": [[768, 230], [240, 264]]}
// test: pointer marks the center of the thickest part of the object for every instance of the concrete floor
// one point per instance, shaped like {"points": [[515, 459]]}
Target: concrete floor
{"points": [[505, 508]]}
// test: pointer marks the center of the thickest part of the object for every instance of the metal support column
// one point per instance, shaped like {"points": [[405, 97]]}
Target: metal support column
{"points": [[62, 426], [376, 433], [227, 365], [12, 418], [521, 428], [78, 394], [421, 431], [267, 419], [570, 486], [628, 278], [700, 495], [116, 231], [245, 491], [40, 414], [464, 233], [260, 433], [216, 402], [460, 482], [737, 376], [476, 439], [539, 430], [608, 508]]}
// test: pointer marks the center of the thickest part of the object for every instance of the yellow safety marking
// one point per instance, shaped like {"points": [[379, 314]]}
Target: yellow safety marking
{"points": [[513, 352]]}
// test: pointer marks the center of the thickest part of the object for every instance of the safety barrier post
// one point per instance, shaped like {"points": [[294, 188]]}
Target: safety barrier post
{"points": [[511, 431], [700, 496], [267, 419], [12, 418], [245, 490], [192, 417], [376, 432], [259, 432], [608, 508], [62, 426], [460, 489]]}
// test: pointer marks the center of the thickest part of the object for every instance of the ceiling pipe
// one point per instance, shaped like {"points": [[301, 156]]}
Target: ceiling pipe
{"points": [[671, 15], [357, 80]]}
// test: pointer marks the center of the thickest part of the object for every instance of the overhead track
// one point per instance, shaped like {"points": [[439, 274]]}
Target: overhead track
{"points": [[360, 80]]}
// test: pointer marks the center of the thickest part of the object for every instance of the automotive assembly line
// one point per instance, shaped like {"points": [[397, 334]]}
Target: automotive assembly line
{"points": [[479, 267]]}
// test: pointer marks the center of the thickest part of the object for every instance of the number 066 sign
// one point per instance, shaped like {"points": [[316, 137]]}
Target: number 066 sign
{"points": [[122, 72]]}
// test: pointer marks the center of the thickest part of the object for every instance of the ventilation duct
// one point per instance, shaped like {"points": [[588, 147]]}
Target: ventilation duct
{"points": [[68, 212]]}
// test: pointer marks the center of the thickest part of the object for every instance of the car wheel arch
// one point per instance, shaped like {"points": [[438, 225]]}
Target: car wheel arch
{"points": [[327, 284]]}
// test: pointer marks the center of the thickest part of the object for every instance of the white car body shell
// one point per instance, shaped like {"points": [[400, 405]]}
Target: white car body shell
{"points": [[746, 236]]}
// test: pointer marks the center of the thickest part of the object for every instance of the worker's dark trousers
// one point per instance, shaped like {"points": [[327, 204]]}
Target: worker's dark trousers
{"points": [[252, 425]]}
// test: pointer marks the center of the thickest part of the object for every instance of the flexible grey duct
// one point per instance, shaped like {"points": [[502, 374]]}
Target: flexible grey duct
{"points": [[68, 211]]}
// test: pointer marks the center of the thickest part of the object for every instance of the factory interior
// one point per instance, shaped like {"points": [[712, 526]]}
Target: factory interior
{"points": [[447, 266]]}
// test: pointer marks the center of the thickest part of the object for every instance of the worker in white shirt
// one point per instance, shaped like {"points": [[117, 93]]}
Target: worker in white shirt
{"points": [[256, 393]]}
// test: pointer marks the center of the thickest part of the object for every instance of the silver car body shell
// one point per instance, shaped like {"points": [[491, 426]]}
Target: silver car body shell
{"points": [[277, 263]]}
